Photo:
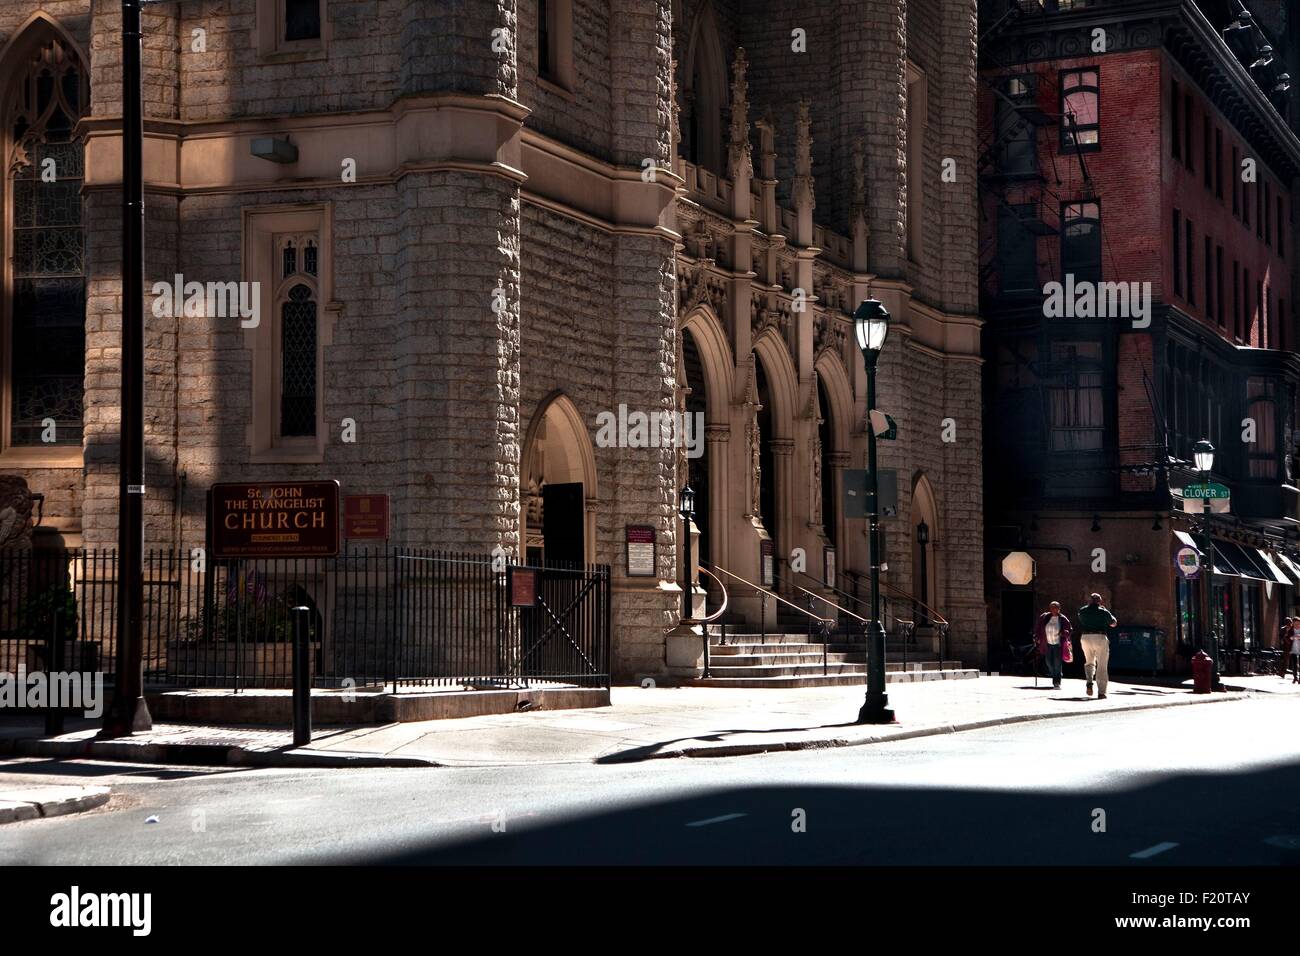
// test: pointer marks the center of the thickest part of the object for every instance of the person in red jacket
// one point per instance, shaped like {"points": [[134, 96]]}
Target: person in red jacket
{"points": [[1052, 634]]}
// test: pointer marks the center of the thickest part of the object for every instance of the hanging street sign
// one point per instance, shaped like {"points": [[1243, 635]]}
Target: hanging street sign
{"points": [[1206, 490], [855, 493], [1188, 562]]}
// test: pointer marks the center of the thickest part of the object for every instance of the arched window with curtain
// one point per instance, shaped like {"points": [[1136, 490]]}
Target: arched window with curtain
{"points": [[45, 265], [296, 308]]}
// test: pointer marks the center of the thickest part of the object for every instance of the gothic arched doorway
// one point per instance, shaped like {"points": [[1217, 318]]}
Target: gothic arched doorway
{"points": [[559, 480], [925, 533], [697, 468], [766, 459]]}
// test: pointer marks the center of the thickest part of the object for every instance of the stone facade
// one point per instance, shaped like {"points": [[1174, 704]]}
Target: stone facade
{"points": [[518, 253]]}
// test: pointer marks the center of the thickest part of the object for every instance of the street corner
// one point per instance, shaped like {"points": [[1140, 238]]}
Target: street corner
{"points": [[33, 803]]}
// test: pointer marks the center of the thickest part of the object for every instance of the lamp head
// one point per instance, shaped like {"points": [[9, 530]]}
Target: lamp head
{"points": [[871, 326], [687, 504], [1203, 452]]}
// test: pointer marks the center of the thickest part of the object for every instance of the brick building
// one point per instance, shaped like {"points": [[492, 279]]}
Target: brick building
{"points": [[489, 224], [1146, 144]]}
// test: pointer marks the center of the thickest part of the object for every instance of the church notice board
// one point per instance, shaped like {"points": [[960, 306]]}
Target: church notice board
{"points": [[278, 519], [640, 551]]}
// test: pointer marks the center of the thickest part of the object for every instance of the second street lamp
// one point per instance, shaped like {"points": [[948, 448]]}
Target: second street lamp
{"points": [[871, 327]]}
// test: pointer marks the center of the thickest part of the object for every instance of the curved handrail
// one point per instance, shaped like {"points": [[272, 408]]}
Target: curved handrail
{"points": [[725, 598], [818, 597], [772, 594]]}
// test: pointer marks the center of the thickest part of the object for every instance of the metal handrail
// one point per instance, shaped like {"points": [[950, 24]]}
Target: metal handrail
{"points": [[762, 590], [725, 599], [818, 597]]}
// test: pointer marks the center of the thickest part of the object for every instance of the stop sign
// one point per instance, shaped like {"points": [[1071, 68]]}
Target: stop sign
{"points": [[1018, 567]]}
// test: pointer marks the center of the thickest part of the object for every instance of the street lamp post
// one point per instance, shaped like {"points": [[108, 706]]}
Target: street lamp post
{"points": [[130, 713], [687, 510], [1203, 453], [871, 326]]}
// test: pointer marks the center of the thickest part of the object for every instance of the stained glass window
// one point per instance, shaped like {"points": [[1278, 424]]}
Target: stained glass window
{"points": [[298, 364], [48, 318]]}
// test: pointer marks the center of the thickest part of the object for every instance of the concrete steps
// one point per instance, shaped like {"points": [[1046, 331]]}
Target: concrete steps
{"points": [[788, 659]]}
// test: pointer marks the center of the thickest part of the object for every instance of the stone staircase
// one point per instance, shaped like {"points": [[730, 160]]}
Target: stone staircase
{"points": [[787, 658]]}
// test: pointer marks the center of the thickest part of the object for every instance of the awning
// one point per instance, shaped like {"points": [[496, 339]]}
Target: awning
{"points": [[1272, 567], [1188, 540], [1240, 558], [1291, 566], [1224, 563]]}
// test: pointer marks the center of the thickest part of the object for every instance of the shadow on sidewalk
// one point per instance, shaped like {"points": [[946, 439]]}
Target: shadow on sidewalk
{"points": [[649, 750]]}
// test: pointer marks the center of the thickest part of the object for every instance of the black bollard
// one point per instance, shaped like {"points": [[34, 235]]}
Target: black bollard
{"points": [[54, 665], [301, 678]]}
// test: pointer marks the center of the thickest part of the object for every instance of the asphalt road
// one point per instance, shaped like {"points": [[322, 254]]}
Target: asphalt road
{"points": [[1207, 785]]}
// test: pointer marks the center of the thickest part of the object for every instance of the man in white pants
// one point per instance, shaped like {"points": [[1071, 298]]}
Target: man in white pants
{"points": [[1094, 622]]}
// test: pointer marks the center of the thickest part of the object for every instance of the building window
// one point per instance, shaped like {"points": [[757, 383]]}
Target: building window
{"points": [[1236, 298], [298, 28], [1076, 419], [286, 253], [1187, 131], [46, 342], [1281, 230], [555, 42], [1081, 241], [1220, 310], [704, 96], [301, 20], [1268, 215], [1259, 210], [298, 363], [1236, 183], [1191, 262], [1245, 204], [1261, 308], [1247, 321], [1178, 252], [1176, 113], [1218, 162], [1209, 279], [1017, 251], [1081, 108], [1207, 146]]}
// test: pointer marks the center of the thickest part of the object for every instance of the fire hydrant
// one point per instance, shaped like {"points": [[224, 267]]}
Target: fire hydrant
{"points": [[1202, 671]]}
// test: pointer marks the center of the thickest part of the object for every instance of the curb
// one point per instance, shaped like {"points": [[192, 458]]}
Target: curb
{"points": [[207, 755], [744, 750], [27, 804]]}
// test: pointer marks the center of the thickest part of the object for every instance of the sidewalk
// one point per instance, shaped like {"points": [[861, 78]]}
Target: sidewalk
{"points": [[641, 724]]}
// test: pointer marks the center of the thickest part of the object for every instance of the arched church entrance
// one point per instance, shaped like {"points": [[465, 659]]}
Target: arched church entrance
{"points": [[559, 481], [697, 469], [830, 513], [925, 526], [766, 458]]}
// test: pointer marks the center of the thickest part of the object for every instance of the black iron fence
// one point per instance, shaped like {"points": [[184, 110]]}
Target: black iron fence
{"points": [[380, 616]]}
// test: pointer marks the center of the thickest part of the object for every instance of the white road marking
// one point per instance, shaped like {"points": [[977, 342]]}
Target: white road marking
{"points": [[722, 819], [1152, 851]]}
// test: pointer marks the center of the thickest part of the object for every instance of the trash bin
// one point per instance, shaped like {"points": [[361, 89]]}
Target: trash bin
{"points": [[1139, 649]]}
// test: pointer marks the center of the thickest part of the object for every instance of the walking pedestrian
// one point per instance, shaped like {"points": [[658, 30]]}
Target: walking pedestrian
{"points": [[1284, 645], [1052, 634], [1095, 621], [1295, 651]]}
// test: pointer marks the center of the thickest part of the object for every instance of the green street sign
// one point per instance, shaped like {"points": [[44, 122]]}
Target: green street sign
{"points": [[1206, 489]]}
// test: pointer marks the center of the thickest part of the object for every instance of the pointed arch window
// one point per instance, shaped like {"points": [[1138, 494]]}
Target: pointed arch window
{"points": [[705, 96], [45, 285], [296, 308]]}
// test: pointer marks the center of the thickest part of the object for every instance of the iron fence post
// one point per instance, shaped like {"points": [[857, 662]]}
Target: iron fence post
{"points": [[53, 665], [301, 679]]}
